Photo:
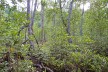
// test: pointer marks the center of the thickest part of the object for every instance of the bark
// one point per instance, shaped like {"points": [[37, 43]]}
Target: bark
{"points": [[33, 15], [54, 19], [31, 22], [42, 22], [61, 13], [82, 21], [30, 30], [69, 17], [54, 16]]}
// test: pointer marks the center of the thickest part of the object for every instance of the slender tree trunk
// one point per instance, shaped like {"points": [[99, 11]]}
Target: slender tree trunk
{"points": [[82, 21], [61, 13], [42, 22], [30, 30], [69, 17], [33, 15], [54, 16], [54, 19]]}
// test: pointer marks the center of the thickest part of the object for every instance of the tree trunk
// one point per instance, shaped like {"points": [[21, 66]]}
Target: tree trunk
{"points": [[33, 15], [69, 17], [82, 21], [42, 22], [61, 13], [30, 30]]}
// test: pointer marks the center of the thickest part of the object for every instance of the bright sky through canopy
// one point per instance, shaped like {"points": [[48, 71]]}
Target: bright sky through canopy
{"points": [[86, 6], [23, 4]]}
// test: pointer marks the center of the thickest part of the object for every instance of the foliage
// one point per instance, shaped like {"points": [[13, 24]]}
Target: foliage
{"points": [[86, 53]]}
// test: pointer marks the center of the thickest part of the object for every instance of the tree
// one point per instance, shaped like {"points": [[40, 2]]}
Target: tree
{"points": [[82, 21], [69, 17], [30, 18], [42, 20], [30, 29]]}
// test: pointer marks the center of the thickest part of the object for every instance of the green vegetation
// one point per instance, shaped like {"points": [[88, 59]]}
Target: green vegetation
{"points": [[61, 37]]}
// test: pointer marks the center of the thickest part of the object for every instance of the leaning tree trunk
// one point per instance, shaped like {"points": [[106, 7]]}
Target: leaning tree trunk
{"points": [[69, 17]]}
